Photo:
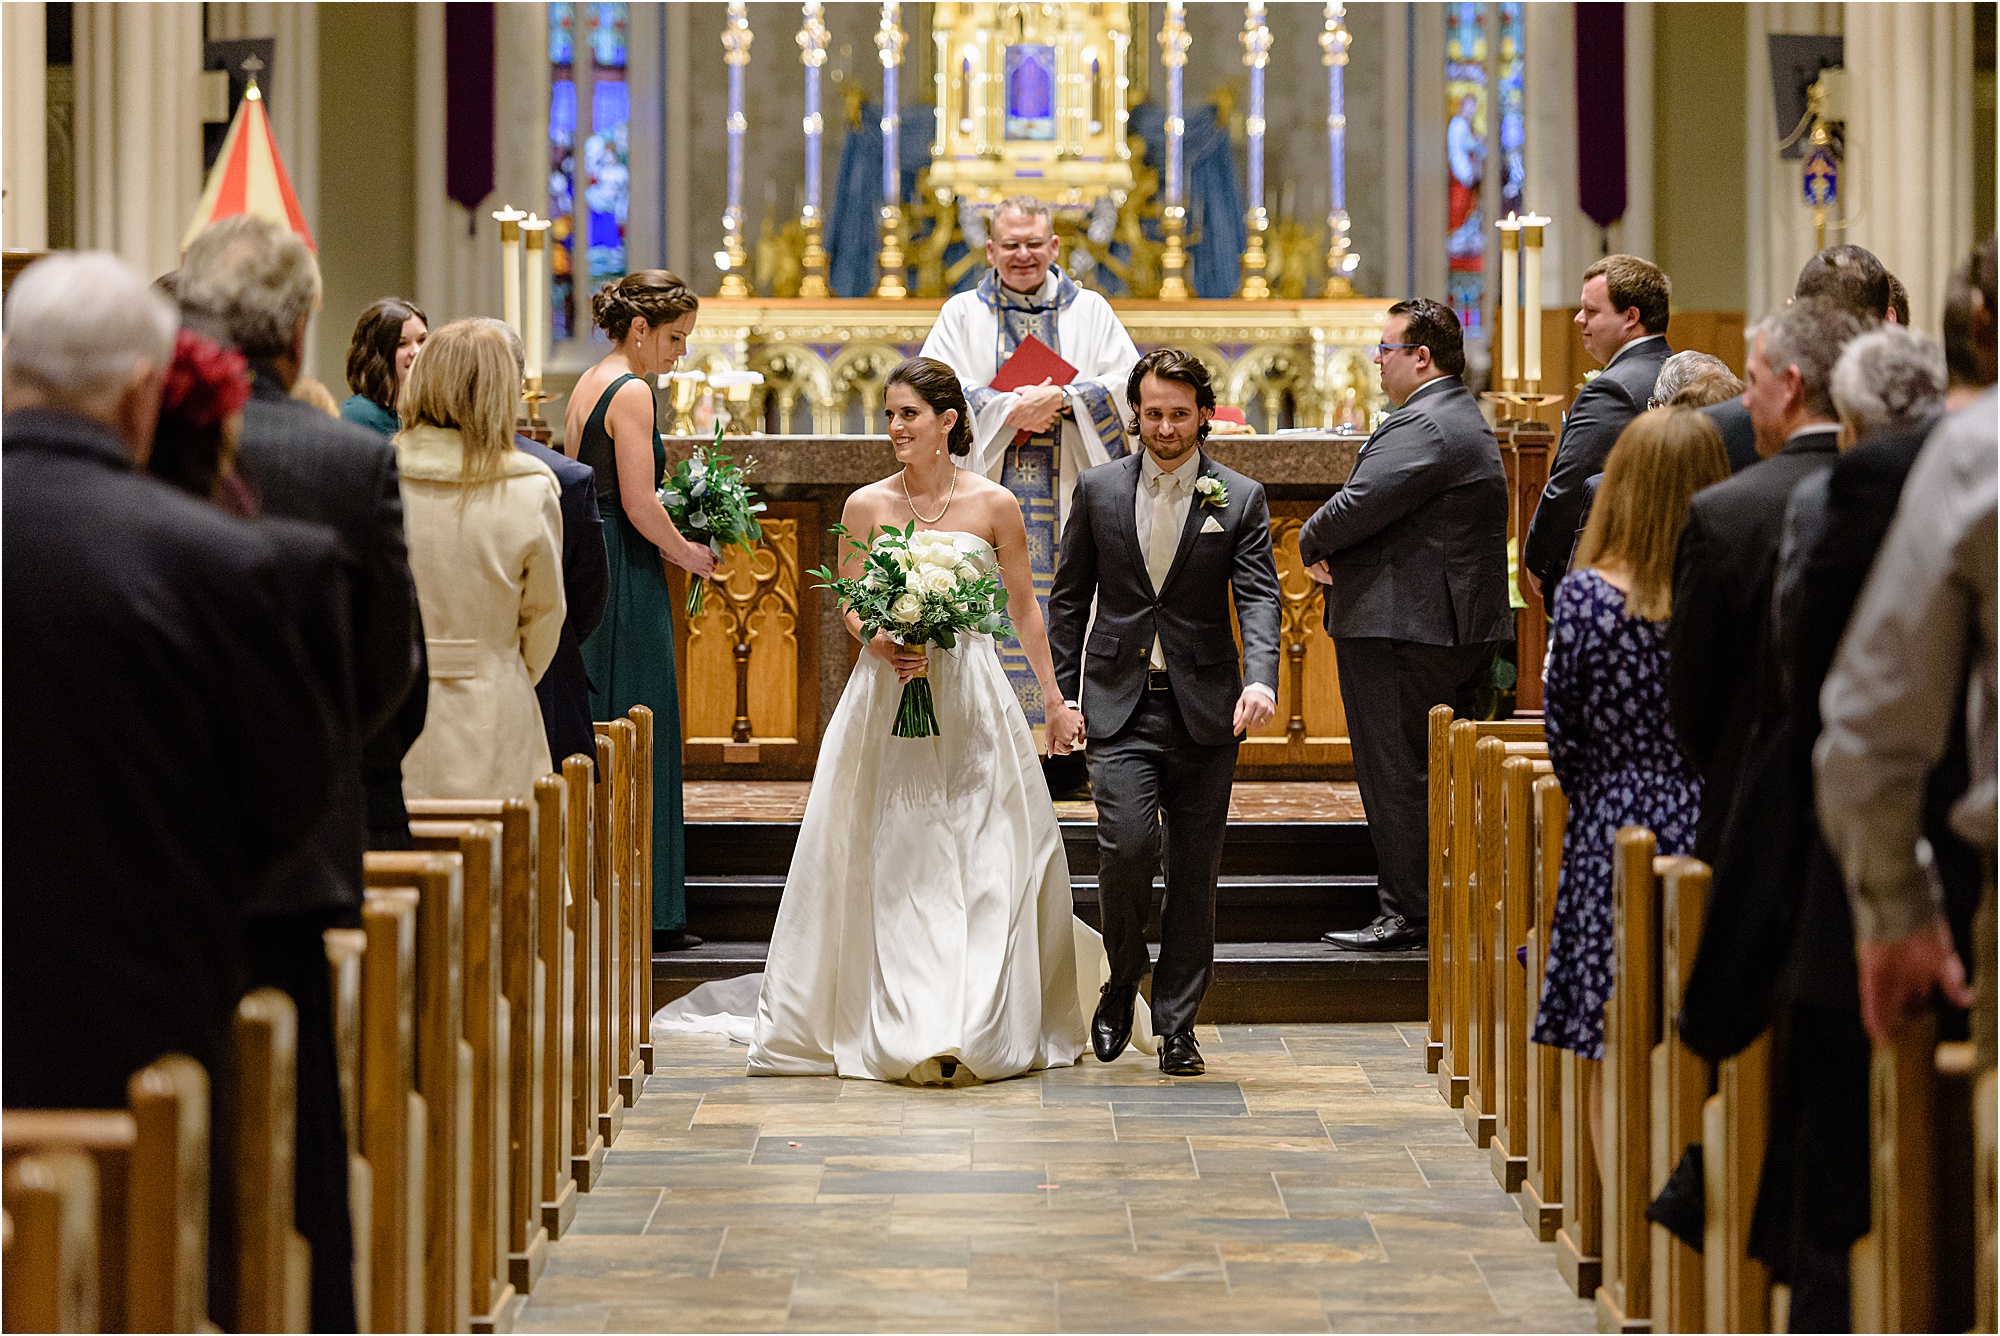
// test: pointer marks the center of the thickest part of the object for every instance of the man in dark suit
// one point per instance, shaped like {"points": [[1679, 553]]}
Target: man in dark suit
{"points": [[1739, 436], [1849, 277], [169, 741], [1729, 549], [1413, 551], [1161, 540], [256, 284], [1624, 324], [564, 690]]}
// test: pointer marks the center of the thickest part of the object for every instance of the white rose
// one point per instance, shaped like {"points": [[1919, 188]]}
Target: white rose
{"points": [[904, 561], [937, 580], [874, 579], [907, 609]]}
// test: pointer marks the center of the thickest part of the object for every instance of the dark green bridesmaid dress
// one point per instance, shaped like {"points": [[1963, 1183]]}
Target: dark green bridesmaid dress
{"points": [[630, 657]]}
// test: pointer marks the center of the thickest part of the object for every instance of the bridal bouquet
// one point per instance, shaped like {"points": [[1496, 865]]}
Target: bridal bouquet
{"points": [[921, 589], [710, 502]]}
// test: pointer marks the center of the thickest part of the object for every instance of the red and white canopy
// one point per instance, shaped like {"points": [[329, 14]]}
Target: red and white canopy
{"points": [[248, 176]]}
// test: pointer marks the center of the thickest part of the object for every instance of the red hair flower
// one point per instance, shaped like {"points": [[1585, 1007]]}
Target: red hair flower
{"points": [[207, 384]]}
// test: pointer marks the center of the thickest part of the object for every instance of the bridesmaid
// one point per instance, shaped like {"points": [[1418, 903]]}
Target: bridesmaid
{"points": [[630, 657]]}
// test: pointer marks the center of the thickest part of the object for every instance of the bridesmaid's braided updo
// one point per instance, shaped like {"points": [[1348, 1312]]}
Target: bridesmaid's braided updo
{"points": [[653, 293]]}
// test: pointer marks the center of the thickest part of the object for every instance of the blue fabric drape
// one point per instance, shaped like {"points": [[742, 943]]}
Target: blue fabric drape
{"points": [[1214, 202], [851, 238]]}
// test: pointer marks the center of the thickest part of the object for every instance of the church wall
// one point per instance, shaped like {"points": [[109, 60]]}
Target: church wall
{"points": [[1700, 100], [367, 206]]}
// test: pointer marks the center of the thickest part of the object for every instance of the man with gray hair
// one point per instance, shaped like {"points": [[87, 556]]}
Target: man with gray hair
{"points": [[1723, 568], [1891, 379], [254, 284], [168, 735]]}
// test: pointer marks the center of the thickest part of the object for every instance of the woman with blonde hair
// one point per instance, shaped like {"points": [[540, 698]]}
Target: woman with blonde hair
{"points": [[485, 530], [1610, 743]]}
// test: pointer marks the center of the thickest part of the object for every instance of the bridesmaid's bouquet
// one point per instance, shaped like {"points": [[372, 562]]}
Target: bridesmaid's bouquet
{"points": [[922, 590], [709, 501]]}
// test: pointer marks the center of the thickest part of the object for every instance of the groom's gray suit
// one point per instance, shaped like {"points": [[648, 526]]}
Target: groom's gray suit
{"points": [[1162, 742]]}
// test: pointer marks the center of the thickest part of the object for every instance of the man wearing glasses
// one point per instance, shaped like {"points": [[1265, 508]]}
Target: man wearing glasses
{"points": [[1413, 552], [1034, 440]]}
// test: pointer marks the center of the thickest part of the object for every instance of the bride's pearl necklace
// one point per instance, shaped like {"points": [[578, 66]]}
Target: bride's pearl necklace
{"points": [[911, 501]]}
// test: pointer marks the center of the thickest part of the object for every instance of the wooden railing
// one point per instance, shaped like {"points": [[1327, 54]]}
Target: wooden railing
{"points": [[1497, 823], [490, 1020]]}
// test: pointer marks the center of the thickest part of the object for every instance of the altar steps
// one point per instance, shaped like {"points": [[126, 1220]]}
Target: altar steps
{"points": [[1283, 883]]}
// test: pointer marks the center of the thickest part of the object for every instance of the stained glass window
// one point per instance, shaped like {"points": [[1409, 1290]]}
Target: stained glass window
{"points": [[603, 174], [1465, 156], [1513, 111]]}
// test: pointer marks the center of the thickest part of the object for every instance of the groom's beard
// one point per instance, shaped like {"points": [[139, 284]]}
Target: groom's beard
{"points": [[1188, 445]]}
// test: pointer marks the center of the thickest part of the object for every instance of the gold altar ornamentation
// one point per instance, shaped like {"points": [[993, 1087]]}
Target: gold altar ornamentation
{"points": [[812, 41], [1032, 99], [733, 258], [741, 686]]}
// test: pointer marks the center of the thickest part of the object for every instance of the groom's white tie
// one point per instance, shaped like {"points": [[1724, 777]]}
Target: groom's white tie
{"points": [[1161, 541]]}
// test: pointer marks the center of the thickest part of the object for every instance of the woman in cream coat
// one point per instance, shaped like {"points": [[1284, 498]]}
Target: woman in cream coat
{"points": [[485, 529]]}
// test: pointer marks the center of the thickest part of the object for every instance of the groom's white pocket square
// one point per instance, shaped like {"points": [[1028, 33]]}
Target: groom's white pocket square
{"points": [[1210, 526]]}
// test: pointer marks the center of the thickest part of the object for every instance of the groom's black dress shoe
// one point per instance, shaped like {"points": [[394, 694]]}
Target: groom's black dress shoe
{"points": [[1179, 1056], [1386, 933], [674, 939], [1111, 1027]]}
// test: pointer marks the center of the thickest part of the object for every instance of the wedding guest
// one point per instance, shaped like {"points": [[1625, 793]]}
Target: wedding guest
{"points": [[1722, 574], [170, 744], [385, 342], [1969, 325], [1693, 380], [312, 390], [1623, 323], [1849, 277], [630, 657], [1609, 738], [564, 690], [1899, 303], [485, 525], [255, 285]]}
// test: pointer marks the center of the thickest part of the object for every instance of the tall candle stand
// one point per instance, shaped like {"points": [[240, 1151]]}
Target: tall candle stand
{"points": [[734, 259], [535, 318], [812, 52], [1333, 42], [889, 40], [1174, 40], [1256, 54]]}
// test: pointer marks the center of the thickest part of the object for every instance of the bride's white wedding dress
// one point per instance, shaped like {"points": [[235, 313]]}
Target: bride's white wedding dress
{"points": [[927, 914]]}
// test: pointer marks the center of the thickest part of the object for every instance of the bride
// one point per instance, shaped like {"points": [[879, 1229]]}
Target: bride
{"points": [[926, 931]]}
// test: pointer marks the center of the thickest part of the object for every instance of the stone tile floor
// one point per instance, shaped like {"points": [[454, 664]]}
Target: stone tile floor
{"points": [[1249, 800], [1312, 1181]]}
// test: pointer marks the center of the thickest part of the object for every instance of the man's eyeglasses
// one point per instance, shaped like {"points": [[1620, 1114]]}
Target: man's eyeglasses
{"points": [[1016, 247], [1382, 348]]}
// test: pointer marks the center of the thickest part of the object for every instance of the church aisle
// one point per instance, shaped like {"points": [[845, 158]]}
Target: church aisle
{"points": [[1313, 1181]]}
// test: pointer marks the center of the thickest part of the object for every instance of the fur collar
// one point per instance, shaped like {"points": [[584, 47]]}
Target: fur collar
{"points": [[437, 454]]}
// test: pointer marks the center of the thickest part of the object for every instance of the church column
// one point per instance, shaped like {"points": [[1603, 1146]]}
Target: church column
{"points": [[138, 69], [1780, 231], [291, 97], [1907, 182], [1634, 232], [24, 216]]}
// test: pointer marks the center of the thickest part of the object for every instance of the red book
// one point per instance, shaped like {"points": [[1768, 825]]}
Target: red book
{"points": [[1032, 363]]}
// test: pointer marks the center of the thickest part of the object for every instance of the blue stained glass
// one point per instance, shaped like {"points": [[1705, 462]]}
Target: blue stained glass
{"points": [[607, 35], [1513, 118], [1466, 104], [607, 188], [562, 22]]}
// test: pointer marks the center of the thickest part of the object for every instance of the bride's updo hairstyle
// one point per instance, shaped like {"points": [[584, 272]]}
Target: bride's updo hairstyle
{"points": [[653, 293], [934, 383]]}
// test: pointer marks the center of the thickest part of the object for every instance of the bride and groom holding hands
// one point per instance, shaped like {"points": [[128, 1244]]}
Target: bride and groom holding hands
{"points": [[926, 932]]}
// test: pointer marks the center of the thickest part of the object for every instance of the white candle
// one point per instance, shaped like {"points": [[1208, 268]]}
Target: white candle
{"points": [[509, 219], [1510, 301], [1531, 280], [536, 308]]}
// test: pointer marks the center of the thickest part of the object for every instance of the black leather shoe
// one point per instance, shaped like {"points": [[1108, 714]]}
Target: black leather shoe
{"points": [[1179, 1056], [1386, 933], [1111, 1027], [674, 939]]}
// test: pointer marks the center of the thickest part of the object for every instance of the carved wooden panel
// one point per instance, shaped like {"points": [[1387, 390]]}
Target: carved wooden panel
{"points": [[1310, 726], [749, 661]]}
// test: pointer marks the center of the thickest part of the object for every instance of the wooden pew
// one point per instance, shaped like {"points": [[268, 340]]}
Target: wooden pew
{"points": [[490, 1291], [642, 902], [1542, 1193], [1512, 916], [586, 1147], [1681, 1084], [1631, 1029], [273, 1263], [1734, 1121], [1480, 961], [1985, 1194], [1454, 948], [149, 1170], [611, 885], [345, 948], [522, 950], [1439, 978], [444, 1076], [394, 1126], [555, 1188], [51, 1278]]}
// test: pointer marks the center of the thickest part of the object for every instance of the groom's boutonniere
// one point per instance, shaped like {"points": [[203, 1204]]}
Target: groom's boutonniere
{"points": [[1211, 491]]}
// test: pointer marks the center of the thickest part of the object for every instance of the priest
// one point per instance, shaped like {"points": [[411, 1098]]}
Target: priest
{"points": [[1067, 428]]}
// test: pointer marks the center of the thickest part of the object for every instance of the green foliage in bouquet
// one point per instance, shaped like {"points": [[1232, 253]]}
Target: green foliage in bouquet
{"points": [[710, 501], [923, 590]]}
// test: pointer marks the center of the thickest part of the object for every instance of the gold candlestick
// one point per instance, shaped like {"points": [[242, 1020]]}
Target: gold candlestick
{"points": [[683, 394], [532, 396], [891, 260], [1256, 287], [1173, 258], [812, 281]]}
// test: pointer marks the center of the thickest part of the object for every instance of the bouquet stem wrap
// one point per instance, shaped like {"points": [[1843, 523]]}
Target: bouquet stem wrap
{"points": [[916, 716]]}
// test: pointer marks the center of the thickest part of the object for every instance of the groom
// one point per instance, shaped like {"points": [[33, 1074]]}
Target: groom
{"points": [[1161, 539]]}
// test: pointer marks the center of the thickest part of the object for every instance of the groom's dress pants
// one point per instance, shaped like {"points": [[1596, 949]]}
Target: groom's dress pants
{"points": [[1149, 769], [1388, 688]]}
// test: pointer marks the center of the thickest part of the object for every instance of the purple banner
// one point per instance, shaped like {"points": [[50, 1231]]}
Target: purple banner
{"points": [[1600, 111], [469, 102]]}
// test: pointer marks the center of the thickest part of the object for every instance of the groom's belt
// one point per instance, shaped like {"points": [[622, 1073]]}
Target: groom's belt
{"points": [[1157, 680]]}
